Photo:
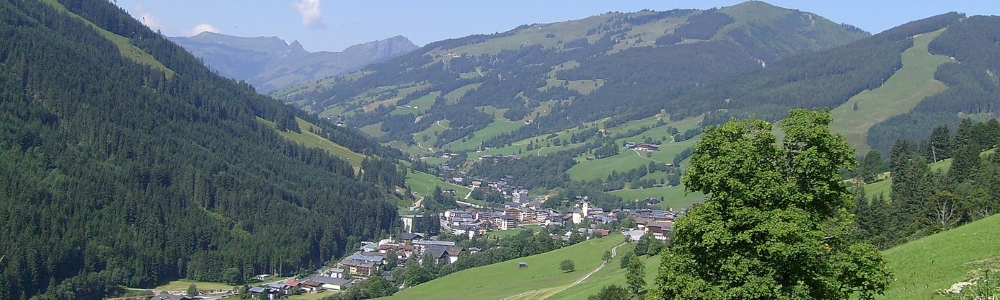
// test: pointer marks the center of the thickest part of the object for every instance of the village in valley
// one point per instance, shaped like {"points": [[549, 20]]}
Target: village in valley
{"points": [[385, 258]]}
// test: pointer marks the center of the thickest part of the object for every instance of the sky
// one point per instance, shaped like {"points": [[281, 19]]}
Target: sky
{"points": [[327, 25]]}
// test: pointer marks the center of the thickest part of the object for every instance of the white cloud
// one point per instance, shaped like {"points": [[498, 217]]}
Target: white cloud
{"points": [[203, 27], [148, 19], [311, 15]]}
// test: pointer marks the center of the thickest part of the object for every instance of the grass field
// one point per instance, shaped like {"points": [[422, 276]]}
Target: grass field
{"points": [[627, 160], [310, 296], [417, 106], [492, 130], [898, 95], [313, 140], [125, 47], [673, 197], [542, 274], [422, 183], [183, 284], [611, 274], [512, 232], [933, 263]]}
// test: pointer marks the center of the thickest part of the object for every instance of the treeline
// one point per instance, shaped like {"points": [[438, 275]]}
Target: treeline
{"points": [[116, 175], [924, 201]]}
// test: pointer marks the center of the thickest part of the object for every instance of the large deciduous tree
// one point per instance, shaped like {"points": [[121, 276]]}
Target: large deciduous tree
{"points": [[777, 222]]}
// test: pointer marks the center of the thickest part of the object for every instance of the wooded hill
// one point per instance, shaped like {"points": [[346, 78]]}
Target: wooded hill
{"points": [[556, 76], [125, 162]]}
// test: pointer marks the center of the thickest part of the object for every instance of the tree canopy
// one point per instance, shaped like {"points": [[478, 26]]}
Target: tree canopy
{"points": [[777, 222]]}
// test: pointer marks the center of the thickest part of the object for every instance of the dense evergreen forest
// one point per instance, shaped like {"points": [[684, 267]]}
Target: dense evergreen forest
{"points": [[116, 174], [924, 201]]}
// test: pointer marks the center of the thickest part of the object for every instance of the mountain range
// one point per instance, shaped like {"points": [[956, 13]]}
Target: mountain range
{"points": [[582, 89], [560, 75], [270, 63]]}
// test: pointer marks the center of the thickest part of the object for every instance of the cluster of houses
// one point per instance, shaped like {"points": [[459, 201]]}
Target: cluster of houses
{"points": [[368, 261], [330, 279], [659, 223], [642, 146]]}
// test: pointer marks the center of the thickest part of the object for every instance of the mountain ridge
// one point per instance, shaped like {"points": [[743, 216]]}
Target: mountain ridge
{"points": [[270, 63]]}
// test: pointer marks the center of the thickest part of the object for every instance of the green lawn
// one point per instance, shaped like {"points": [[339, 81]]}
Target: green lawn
{"points": [[417, 106], [628, 160], [512, 232], [423, 183], [310, 296], [898, 95], [506, 279], [673, 197], [183, 284], [933, 263], [611, 274], [492, 130]]}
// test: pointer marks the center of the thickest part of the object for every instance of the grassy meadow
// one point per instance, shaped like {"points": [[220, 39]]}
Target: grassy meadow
{"points": [[123, 44], [541, 275], [925, 266], [899, 94], [313, 140]]}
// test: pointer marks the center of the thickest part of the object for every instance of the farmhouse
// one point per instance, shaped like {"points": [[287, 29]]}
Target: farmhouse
{"points": [[331, 283]]}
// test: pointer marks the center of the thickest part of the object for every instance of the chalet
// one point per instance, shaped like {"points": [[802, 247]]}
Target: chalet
{"points": [[253, 290], [437, 252], [411, 237], [334, 272], [529, 215], [360, 268], [648, 147], [661, 227], [363, 264], [311, 286], [331, 283], [453, 254], [514, 213]]}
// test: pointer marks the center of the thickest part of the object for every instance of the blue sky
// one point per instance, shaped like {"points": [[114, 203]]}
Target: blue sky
{"points": [[326, 25]]}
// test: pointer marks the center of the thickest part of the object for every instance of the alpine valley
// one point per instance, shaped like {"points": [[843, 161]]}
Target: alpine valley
{"points": [[132, 163]]}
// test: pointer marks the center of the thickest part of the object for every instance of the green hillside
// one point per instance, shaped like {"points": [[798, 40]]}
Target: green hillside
{"points": [[925, 266], [122, 43], [118, 174], [310, 139], [907, 87], [562, 73], [611, 274], [506, 280]]}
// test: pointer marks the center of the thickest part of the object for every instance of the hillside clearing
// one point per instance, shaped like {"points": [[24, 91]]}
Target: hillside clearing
{"points": [[125, 47], [898, 95], [313, 140]]}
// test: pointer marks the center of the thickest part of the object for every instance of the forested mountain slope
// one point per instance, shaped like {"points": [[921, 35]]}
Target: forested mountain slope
{"points": [[556, 76], [269, 63], [115, 174]]}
